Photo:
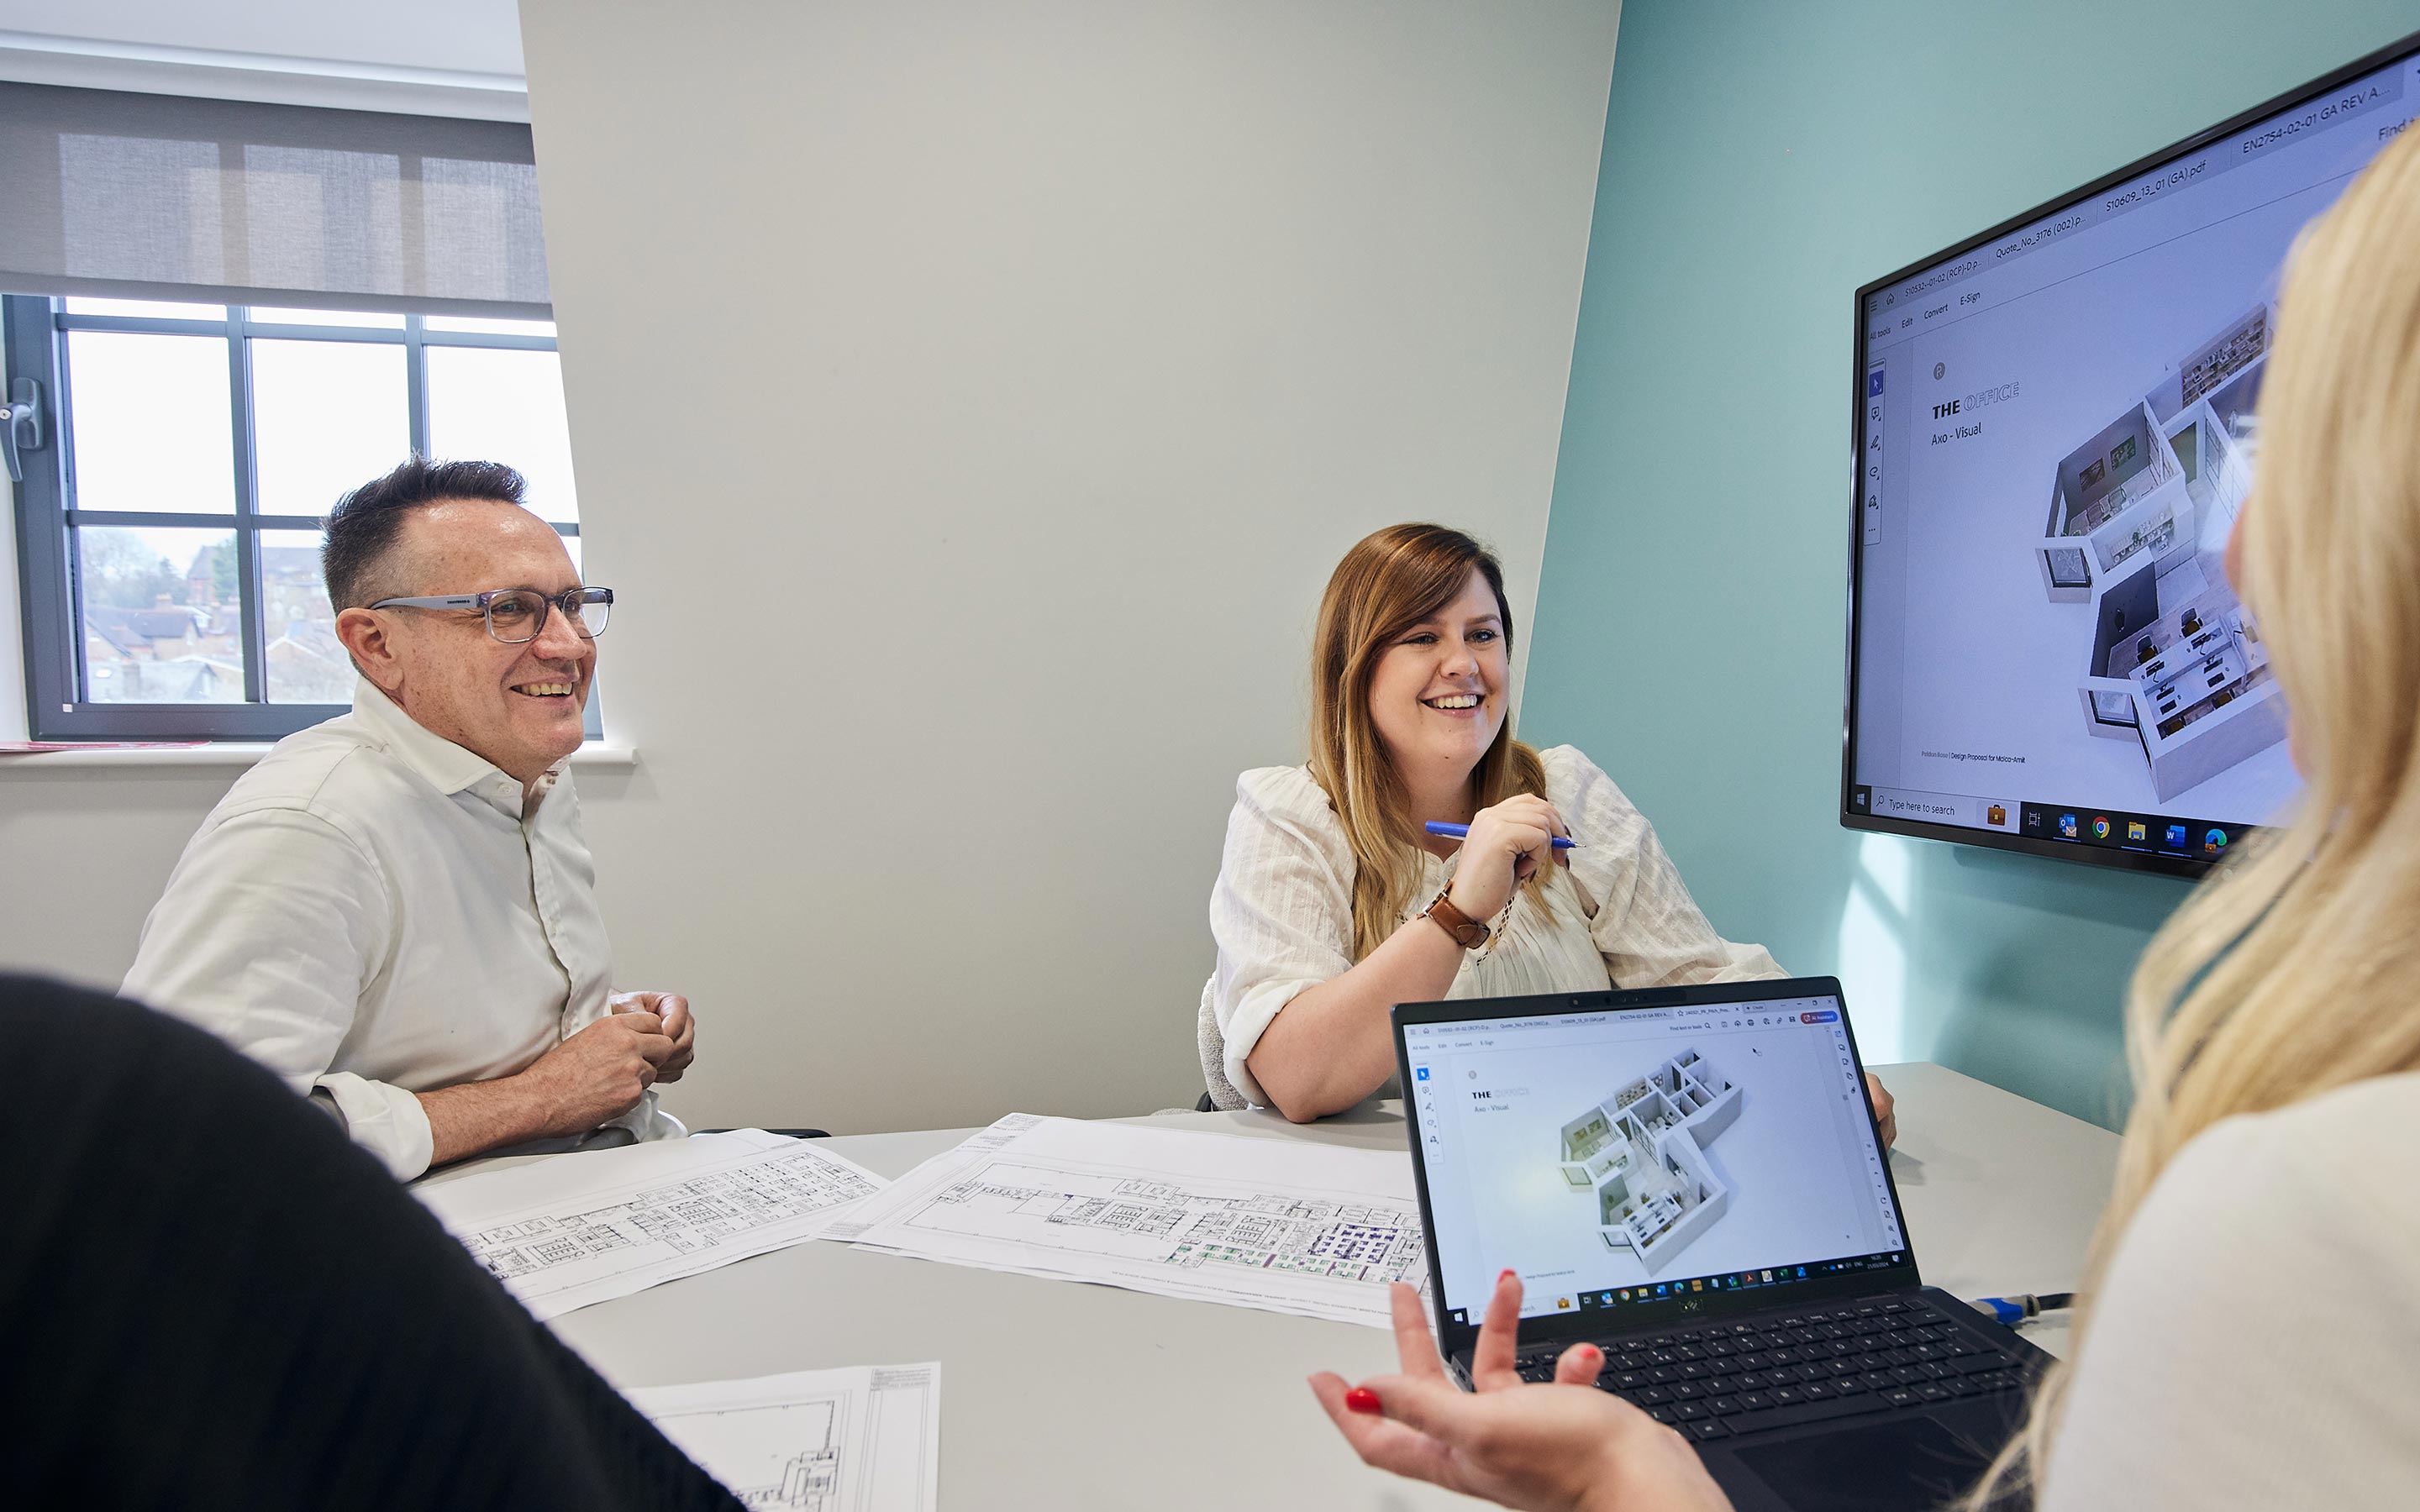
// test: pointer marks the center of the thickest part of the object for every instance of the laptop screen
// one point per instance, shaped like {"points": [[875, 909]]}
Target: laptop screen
{"points": [[1623, 1160]]}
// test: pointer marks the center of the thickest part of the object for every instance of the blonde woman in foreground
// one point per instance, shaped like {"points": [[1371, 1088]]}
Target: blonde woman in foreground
{"points": [[1332, 905], [2249, 1329]]}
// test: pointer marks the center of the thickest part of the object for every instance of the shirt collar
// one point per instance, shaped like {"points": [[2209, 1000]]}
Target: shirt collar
{"points": [[446, 766]]}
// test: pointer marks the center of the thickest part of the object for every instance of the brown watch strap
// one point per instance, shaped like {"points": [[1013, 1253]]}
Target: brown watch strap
{"points": [[1467, 931]]}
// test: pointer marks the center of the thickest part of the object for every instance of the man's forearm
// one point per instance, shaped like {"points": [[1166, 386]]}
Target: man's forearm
{"points": [[478, 1116]]}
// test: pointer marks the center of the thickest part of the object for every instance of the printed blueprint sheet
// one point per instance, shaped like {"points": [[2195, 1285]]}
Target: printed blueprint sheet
{"points": [[575, 1229], [861, 1440], [1286, 1226]]}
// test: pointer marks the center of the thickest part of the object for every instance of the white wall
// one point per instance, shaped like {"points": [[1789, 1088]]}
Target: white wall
{"points": [[969, 401]]}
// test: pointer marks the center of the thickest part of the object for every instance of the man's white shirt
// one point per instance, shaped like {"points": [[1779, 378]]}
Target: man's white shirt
{"points": [[373, 911]]}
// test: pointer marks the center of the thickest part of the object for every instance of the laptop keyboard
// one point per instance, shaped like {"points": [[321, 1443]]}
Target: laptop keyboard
{"points": [[1712, 1381]]}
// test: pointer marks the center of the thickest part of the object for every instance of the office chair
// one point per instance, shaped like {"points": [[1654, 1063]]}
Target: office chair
{"points": [[1211, 1041]]}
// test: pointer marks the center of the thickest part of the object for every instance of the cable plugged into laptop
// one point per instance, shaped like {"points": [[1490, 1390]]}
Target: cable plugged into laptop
{"points": [[2023, 1307]]}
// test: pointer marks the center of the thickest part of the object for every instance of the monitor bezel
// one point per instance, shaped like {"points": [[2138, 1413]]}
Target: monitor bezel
{"points": [[1455, 1340], [2151, 861]]}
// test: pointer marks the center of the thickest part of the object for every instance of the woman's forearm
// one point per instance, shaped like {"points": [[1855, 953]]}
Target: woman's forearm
{"points": [[1334, 1043]]}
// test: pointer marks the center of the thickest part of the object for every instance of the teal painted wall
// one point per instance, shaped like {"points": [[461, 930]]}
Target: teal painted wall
{"points": [[1760, 162]]}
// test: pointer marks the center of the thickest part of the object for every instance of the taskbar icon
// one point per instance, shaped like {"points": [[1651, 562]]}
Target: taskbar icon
{"points": [[2143, 834]]}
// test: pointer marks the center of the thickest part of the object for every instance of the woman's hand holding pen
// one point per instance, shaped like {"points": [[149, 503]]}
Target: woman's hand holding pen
{"points": [[1505, 845]]}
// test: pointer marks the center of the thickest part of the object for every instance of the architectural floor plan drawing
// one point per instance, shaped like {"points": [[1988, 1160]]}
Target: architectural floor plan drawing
{"points": [[865, 1439], [1640, 1155], [1312, 1229], [1059, 1207], [564, 1233]]}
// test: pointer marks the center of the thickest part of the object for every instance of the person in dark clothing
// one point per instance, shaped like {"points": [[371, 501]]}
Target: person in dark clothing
{"points": [[261, 1318]]}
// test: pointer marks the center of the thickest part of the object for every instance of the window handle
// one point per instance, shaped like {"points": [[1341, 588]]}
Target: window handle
{"points": [[23, 430]]}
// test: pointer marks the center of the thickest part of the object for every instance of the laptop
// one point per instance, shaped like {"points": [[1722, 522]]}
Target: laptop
{"points": [[1690, 1178]]}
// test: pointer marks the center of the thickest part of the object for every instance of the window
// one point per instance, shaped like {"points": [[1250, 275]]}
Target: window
{"points": [[226, 314], [169, 532]]}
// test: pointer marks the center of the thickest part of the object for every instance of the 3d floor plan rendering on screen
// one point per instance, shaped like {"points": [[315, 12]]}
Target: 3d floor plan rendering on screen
{"points": [[1642, 1153], [2138, 525]]}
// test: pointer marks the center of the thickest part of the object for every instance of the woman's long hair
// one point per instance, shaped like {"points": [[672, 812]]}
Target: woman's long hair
{"points": [[1389, 582], [2296, 968]]}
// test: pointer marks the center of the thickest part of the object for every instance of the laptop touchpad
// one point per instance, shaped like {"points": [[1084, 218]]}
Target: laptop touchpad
{"points": [[1916, 1465]]}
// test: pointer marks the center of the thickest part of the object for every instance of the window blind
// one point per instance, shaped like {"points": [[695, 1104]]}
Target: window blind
{"points": [[165, 197]]}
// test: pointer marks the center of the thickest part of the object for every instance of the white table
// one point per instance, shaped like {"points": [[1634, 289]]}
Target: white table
{"points": [[1060, 1396]]}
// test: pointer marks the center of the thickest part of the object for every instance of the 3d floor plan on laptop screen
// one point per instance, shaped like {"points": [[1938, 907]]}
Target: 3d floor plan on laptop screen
{"points": [[1597, 1153], [1641, 1155]]}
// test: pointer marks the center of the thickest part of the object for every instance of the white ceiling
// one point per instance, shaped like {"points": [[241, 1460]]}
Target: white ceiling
{"points": [[454, 36]]}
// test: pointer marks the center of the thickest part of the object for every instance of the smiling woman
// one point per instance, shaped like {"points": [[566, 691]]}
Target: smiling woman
{"points": [[1332, 905]]}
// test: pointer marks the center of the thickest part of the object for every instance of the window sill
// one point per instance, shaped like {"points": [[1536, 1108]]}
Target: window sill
{"points": [[596, 756]]}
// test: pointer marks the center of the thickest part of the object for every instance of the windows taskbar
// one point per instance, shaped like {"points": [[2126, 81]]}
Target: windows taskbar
{"points": [[1728, 1281], [2111, 829], [1781, 1276]]}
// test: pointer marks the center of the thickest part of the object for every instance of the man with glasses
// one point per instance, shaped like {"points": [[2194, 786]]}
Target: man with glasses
{"points": [[395, 910]]}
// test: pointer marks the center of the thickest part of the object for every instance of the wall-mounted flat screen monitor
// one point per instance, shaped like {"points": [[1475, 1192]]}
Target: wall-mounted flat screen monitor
{"points": [[2056, 423]]}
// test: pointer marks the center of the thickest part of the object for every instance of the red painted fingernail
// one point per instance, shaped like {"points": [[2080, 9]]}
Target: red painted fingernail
{"points": [[1361, 1399], [1505, 1274]]}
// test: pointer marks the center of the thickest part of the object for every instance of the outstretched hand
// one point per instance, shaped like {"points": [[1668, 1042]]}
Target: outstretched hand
{"points": [[1560, 1447]]}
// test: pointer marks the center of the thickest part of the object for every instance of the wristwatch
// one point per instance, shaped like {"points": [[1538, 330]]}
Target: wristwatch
{"points": [[1467, 931]]}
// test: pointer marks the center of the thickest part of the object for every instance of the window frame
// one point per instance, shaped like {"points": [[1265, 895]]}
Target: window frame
{"points": [[36, 327]]}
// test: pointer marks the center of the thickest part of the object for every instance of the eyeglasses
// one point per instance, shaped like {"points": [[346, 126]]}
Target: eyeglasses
{"points": [[517, 615]]}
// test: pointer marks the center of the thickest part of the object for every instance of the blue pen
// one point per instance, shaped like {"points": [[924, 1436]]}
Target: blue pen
{"points": [[2024, 1305], [1438, 827]]}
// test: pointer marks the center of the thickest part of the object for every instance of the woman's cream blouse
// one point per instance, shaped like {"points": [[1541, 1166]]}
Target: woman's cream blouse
{"points": [[1282, 910]]}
